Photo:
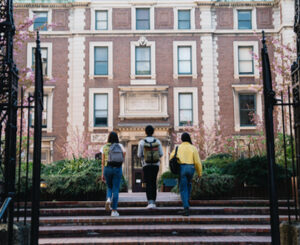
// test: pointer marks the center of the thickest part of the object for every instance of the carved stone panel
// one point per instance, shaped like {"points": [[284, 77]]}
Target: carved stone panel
{"points": [[143, 102], [121, 18]]}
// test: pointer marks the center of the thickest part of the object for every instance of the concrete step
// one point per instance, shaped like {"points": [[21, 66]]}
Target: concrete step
{"points": [[156, 219], [127, 203], [128, 240], [100, 211], [152, 230]]}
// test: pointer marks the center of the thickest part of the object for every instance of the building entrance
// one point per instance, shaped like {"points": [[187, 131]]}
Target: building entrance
{"points": [[137, 170]]}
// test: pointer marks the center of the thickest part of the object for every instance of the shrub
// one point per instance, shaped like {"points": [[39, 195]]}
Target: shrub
{"points": [[166, 175], [212, 186], [218, 160], [253, 171]]}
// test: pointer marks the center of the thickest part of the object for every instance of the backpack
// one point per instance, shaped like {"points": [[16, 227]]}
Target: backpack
{"points": [[115, 155], [173, 163], [151, 151]]}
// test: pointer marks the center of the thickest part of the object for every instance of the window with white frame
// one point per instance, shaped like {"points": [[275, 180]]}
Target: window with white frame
{"points": [[244, 19], [185, 109], [142, 19], [247, 106], [184, 19], [47, 109], [46, 55], [184, 59], [101, 59], [143, 62], [40, 20], [100, 108], [101, 19], [244, 62], [247, 109], [185, 106]]}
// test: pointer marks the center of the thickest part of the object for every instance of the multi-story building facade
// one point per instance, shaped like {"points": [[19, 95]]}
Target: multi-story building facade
{"points": [[122, 64]]}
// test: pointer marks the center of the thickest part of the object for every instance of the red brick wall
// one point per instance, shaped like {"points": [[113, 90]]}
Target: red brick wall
{"points": [[60, 19], [264, 18], [121, 18], [164, 18], [121, 69], [224, 18]]}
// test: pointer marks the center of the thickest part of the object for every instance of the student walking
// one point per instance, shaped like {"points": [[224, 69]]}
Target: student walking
{"points": [[150, 151], [189, 160], [113, 155]]}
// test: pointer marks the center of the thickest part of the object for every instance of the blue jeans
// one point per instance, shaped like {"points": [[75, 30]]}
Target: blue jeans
{"points": [[185, 186], [113, 177]]}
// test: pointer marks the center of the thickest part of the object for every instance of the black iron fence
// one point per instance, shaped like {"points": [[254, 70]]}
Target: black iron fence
{"points": [[282, 109], [20, 135]]}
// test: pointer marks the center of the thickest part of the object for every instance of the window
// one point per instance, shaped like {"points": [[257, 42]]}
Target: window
{"points": [[44, 113], [185, 106], [40, 21], [44, 54], [184, 19], [143, 61], [101, 61], [100, 110], [143, 19], [247, 103], [184, 60], [245, 61], [185, 109], [101, 20], [244, 19]]}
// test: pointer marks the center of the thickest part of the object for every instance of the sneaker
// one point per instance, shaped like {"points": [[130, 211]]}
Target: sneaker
{"points": [[107, 204], [151, 206], [115, 214]]}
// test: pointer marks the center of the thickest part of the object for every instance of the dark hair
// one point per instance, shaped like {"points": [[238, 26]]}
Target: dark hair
{"points": [[185, 137], [149, 130], [113, 137]]}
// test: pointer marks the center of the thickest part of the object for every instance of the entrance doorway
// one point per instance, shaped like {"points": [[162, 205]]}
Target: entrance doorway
{"points": [[137, 170]]}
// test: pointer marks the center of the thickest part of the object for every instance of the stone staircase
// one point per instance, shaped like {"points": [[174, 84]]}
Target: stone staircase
{"points": [[210, 222]]}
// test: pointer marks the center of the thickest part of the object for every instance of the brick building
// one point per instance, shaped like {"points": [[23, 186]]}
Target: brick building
{"points": [[122, 64]]}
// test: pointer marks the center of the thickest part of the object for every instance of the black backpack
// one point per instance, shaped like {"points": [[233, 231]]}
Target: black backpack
{"points": [[173, 163]]}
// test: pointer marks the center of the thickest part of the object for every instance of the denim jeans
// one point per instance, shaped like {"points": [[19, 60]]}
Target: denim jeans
{"points": [[150, 176], [113, 177], [185, 186]]}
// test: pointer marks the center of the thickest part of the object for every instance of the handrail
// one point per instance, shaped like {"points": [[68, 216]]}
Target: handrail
{"points": [[5, 206]]}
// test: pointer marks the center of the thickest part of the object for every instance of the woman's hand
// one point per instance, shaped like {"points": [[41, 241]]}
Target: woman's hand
{"points": [[102, 178]]}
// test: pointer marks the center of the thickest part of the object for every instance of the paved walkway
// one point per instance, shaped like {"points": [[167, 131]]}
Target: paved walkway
{"points": [[141, 197]]}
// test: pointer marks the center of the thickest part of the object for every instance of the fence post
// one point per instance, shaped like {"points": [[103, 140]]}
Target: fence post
{"points": [[270, 101]]}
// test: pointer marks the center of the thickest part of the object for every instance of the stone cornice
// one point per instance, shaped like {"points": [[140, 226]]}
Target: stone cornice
{"points": [[51, 5], [235, 3]]}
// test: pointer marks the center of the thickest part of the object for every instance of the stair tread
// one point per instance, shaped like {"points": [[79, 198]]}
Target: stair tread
{"points": [[154, 227], [157, 240]]}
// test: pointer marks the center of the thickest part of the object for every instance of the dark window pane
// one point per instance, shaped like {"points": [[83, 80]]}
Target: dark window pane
{"points": [[143, 60], [101, 61], [184, 19], [185, 109], [100, 110], [142, 19], [40, 21], [101, 20], [247, 104], [244, 20]]}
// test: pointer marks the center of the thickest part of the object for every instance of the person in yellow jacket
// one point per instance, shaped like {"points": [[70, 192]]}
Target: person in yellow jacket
{"points": [[189, 160]]}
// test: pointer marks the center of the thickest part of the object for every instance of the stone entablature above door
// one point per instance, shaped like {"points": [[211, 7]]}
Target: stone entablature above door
{"points": [[143, 102]]}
